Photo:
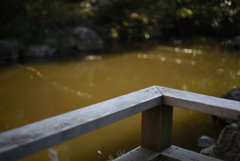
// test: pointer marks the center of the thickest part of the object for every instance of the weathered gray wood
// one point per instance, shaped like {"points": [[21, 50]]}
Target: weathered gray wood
{"points": [[139, 154], [157, 127], [31, 138], [174, 153], [201, 103]]}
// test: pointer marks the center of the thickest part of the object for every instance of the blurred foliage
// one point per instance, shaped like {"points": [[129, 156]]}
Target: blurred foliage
{"points": [[30, 21], [135, 19]]}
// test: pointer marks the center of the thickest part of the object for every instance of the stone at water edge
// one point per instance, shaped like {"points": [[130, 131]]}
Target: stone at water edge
{"points": [[40, 51], [236, 42], [205, 141], [233, 94], [86, 39], [77, 38], [228, 144], [9, 52], [207, 150]]}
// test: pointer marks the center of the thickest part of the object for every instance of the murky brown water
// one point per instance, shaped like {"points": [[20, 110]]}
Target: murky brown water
{"points": [[33, 91]]}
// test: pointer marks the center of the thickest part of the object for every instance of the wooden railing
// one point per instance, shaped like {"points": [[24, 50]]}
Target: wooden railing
{"points": [[156, 104]]}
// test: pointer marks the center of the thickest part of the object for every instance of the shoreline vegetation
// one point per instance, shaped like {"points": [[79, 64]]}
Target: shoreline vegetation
{"points": [[12, 53], [43, 28], [119, 21], [123, 20]]}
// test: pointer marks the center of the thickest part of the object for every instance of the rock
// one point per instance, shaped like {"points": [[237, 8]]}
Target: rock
{"points": [[87, 40], [52, 42], [67, 41], [207, 151], [103, 2], [236, 42], [228, 144], [40, 51], [9, 52], [79, 38], [234, 94], [71, 40], [205, 141]]}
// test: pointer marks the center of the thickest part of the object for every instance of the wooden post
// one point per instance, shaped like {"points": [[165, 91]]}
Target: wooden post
{"points": [[157, 127]]}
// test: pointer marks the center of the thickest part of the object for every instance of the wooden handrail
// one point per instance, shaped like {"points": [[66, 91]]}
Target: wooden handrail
{"points": [[155, 102], [202, 103], [23, 141]]}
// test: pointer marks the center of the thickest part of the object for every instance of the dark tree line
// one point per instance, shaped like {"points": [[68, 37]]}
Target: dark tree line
{"points": [[32, 20]]}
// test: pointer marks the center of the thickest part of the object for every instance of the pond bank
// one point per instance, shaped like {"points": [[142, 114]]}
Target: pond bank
{"points": [[72, 41], [80, 41]]}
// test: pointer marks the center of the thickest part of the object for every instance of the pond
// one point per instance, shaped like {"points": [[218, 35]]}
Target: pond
{"points": [[31, 92]]}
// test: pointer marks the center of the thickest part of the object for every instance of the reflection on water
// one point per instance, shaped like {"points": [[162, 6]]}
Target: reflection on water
{"points": [[35, 91], [55, 83]]}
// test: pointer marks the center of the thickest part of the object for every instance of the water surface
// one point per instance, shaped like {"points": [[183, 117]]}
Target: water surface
{"points": [[31, 92]]}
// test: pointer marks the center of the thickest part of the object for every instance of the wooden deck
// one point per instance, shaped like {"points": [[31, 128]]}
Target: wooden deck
{"points": [[172, 153], [156, 104]]}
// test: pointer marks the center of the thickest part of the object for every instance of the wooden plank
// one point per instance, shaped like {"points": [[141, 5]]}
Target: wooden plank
{"points": [[23, 141], [174, 153], [139, 154], [157, 127], [201, 103]]}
